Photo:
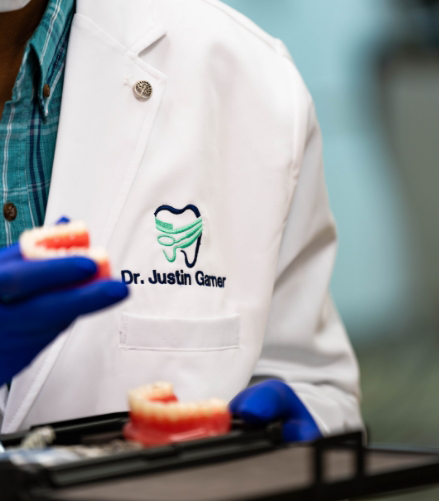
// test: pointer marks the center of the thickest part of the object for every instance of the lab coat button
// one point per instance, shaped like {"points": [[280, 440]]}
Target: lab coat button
{"points": [[143, 89], [9, 211], [46, 90]]}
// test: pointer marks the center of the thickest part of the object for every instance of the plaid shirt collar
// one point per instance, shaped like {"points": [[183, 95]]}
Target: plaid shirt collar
{"points": [[45, 44]]}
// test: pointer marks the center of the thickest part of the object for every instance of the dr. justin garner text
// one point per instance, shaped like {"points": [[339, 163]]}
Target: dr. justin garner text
{"points": [[177, 278]]}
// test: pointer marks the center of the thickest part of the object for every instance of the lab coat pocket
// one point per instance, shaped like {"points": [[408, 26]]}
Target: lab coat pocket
{"points": [[178, 334]]}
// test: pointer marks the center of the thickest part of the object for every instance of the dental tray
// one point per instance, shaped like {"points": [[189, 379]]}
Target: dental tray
{"points": [[250, 464], [23, 472]]}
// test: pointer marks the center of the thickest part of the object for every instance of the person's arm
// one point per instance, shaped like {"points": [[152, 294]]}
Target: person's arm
{"points": [[305, 343]]}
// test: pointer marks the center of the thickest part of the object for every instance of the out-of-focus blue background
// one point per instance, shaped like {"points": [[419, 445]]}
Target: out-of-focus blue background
{"points": [[372, 67], [334, 44]]}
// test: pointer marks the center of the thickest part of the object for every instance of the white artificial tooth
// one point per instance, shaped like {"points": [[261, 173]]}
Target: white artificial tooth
{"points": [[131, 402], [146, 408], [173, 412], [160, 410], [218, 405], [24, 246], [138, 392], [160, 393], [38, 233], [183, 411], [97, 254], [206, 409], [191, 409], [134, 403], [167, 388], [34, 253], [163, 385], [159, 390], [78, 226], [133, 395], [198, 409]]}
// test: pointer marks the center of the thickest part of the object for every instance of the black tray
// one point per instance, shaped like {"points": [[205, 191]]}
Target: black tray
{"points": [[247, 464]]}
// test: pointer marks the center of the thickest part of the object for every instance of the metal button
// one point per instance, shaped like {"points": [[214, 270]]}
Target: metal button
{"points": [[46, 90], [142, 89], [9, 211]]}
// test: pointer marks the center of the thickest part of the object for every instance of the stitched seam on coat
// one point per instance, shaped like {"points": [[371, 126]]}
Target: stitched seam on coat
{"points": [[253, 28], [177, 350]]}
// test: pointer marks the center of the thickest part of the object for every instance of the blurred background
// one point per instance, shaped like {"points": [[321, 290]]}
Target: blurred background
{"points": [[372, 67]]}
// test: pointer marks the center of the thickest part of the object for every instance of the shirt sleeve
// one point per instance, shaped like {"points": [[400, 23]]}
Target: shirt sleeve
{"points": [[305, 343]]}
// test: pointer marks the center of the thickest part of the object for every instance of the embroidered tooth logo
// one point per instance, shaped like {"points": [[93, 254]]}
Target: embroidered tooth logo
{"points": [[182, 237]]}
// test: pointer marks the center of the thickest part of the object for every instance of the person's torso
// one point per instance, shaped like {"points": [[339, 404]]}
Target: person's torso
{"points": [[189, 191]]}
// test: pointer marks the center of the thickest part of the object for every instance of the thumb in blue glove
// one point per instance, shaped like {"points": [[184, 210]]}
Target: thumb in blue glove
{"points": [[274, 400]]}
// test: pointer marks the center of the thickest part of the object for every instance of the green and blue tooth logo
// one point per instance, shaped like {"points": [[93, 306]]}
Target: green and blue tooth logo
{"points": [[179, 238], [172, 239]]}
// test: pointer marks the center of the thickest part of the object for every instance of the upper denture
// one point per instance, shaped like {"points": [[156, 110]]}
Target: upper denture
{"points": [[63, 240]]}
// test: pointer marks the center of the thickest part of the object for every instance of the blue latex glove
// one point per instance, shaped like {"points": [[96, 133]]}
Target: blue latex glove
{"points": [[39, 299], [274, 400]]}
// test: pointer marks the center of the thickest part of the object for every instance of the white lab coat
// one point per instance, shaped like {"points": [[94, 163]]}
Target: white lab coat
{"points": [[231, 129]]}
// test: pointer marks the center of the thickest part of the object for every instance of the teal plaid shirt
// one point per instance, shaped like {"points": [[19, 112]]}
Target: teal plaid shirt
{"points": [[29, 124]]}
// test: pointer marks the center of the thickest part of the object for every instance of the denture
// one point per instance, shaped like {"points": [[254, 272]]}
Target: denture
{"points": [[158, 418], [63, 240]]}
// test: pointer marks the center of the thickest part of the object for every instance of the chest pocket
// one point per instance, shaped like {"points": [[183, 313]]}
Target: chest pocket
{"points": [[177, 334]]}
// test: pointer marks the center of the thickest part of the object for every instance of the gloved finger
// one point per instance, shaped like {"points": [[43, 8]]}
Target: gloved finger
{"points": [[9, 253], [19, 335], [261, 403], [63, 220], [235, 404], [20, 278], [11, 365], [13, 360], [49, 310], [296, 430], [293, 406], [87, 299]]}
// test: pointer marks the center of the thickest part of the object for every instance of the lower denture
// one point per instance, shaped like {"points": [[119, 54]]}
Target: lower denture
{"points": [[151, 428]]}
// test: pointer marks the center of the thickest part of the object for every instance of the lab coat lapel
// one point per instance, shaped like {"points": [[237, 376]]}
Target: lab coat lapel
{"points": [[104, 128], [102, 137]]}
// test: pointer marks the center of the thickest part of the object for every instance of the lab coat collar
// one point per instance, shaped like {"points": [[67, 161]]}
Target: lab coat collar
{"points": [[135, 24], [102, 137]]}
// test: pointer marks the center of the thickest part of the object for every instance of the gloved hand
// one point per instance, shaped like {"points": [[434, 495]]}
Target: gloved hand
{"points": [[274, 400], [40, 299]]}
